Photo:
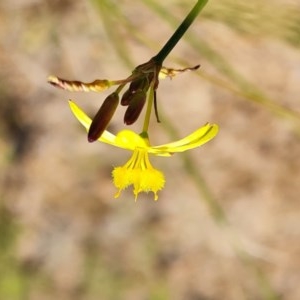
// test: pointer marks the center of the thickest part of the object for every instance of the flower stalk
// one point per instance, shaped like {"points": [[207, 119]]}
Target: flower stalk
{"points": [[180, 31]]}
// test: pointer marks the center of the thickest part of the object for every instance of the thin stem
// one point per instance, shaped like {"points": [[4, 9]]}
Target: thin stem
{"points": [[149, 108], [177, 35]]}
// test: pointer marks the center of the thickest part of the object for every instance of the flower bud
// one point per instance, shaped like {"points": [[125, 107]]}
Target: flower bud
{"points": [[135, 107], [126, 98], [140, 84], [103, 117]]}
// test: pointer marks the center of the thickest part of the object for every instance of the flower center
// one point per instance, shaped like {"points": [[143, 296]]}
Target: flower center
{"points": [[138, 172]]}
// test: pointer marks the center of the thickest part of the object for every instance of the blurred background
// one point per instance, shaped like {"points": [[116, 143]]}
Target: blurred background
{"points": [[226, 225]]}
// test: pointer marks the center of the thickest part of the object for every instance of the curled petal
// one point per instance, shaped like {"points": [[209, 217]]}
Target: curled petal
{"points": [[194, 140], [97, 85], [168, 72]]}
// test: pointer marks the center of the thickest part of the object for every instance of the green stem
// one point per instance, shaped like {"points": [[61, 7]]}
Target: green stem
{"points": [[149, 108], [177, 35]]}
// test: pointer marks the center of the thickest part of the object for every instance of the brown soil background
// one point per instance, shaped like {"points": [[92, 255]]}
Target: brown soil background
{"points": [[63, 234]]}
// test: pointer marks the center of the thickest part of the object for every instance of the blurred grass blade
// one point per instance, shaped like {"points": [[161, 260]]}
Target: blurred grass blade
{"points": [[110, 22]]}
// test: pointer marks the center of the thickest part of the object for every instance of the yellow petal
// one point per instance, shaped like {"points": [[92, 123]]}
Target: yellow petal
{"points": [[125, 139], [195, 139], [128, 139], [106, 137]]}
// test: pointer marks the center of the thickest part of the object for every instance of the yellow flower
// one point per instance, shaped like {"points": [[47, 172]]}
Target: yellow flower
{"points": [[138, 171]]}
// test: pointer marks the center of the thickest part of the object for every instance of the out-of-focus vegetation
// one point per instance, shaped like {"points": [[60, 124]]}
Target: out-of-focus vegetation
{"points": [[227, 224]]}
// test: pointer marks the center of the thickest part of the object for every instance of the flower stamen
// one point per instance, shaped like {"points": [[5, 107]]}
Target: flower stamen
{"points": [[138, 172]]}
